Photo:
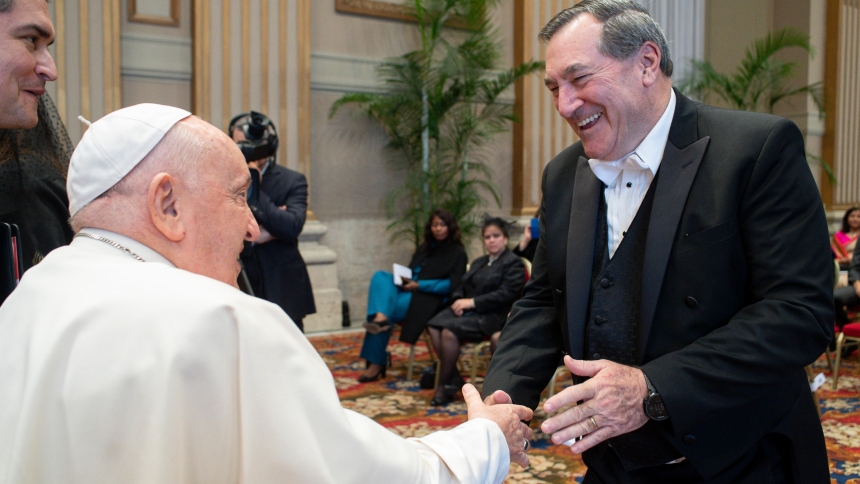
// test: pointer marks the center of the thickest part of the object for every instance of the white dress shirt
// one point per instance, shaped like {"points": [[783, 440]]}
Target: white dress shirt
{"points": [[627, 180], [121, 371]]}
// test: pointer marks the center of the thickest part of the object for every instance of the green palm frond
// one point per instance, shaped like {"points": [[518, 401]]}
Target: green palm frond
{"points": [[446, 92]]}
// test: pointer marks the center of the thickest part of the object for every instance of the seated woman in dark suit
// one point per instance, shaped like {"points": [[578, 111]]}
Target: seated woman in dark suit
{"points": [[481, 305], [437, 266]]}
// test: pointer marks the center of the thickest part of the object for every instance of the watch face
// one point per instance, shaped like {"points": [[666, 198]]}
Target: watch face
{"points": [[655, 409]]}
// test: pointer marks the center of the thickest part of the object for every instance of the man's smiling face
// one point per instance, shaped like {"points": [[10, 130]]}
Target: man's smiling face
{"points": [[603, 99], [25, 63]]}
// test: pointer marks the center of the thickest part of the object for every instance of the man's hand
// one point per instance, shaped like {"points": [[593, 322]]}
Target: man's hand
{"points": [[857, 288], [462, 305], [613, 399], [507, 417], [498, 398]]}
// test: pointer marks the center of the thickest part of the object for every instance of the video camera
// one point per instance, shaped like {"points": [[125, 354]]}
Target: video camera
{"points": [[261, 136]]}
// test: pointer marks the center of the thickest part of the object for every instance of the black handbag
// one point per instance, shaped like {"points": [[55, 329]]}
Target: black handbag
{"points": [[428, 377]]}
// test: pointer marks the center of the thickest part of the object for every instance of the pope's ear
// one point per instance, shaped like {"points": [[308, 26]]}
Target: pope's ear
{"points": [[165, 207]]}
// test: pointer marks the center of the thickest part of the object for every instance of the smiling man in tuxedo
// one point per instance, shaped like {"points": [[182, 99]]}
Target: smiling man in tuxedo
{"points": [[683, 266]]}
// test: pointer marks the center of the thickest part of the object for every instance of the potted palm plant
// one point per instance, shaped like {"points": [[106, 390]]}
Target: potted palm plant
{"points": [[440, 107], [760, 82]]}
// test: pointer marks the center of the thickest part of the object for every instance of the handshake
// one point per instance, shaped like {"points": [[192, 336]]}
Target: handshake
{"points": [[508, 417]]}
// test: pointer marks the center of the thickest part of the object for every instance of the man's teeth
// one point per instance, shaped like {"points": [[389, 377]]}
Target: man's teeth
{"points": [[589, 119]]}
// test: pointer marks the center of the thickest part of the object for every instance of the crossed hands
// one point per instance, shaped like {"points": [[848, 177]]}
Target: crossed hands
{"points": [[508, 417], [612, 405]]}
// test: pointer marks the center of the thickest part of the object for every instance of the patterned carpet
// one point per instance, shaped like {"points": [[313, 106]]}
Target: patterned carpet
{"points": [[401, 406]]}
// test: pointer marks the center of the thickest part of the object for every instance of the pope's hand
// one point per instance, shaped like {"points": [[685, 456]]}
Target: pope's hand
{"points": [[612, 405], [507, 417]]}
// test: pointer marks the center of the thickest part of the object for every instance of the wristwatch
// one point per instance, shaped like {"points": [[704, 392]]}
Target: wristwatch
{"points": [[653, 404]]}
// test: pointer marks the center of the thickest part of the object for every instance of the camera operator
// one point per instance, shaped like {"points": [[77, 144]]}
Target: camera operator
{"points": [[278, 198]]}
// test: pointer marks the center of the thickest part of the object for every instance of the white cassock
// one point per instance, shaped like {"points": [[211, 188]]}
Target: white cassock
{"points": [[114, 370]]}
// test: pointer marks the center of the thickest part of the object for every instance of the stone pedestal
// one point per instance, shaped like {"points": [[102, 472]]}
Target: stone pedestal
{"points": [[323, 273]]}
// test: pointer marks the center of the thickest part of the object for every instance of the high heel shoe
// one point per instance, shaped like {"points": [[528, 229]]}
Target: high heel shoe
{"points": [[374, 327], [448, 392], [379, 374]]}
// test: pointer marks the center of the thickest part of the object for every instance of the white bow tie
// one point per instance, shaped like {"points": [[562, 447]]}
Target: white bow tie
{"points": [[608, 171]]}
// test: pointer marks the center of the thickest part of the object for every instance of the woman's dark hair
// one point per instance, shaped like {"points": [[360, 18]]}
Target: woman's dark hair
{"points": [[450, 221], [845, 227], [498, 222]]}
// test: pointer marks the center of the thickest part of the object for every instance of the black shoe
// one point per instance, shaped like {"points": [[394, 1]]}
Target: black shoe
{"points": [[445, 399], [448, 392], [379, 374]]}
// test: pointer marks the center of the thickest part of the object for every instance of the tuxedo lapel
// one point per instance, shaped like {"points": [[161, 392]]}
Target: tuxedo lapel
{"points": [[580, 249], [676, 174]]}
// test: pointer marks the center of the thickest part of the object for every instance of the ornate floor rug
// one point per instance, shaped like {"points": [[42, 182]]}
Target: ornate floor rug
{"points": [[402, 407]]}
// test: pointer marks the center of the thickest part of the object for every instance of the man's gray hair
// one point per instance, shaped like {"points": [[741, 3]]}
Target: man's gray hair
{"points": [[626, 26]]}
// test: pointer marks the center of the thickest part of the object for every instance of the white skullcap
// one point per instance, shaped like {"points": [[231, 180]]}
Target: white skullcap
{"points": [[113, 146]]}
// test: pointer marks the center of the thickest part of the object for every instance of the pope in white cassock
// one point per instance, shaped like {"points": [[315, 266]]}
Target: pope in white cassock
{"points": [[130, 356]]}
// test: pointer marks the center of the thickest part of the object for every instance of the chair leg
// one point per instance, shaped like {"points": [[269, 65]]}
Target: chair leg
{"points": [[411, 362], [551, 389], [810, 377], [840, 340]]}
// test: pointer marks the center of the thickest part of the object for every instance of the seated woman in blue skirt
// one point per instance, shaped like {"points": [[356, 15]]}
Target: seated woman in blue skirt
{"points": [[437, 266], [481, 305]]}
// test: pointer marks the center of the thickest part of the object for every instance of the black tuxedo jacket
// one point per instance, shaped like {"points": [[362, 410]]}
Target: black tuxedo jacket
{"points": [[736, 290], [276, 269]]}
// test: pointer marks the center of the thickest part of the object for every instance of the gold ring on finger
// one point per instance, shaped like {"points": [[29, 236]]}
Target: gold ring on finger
{"points": [[593, 424]]}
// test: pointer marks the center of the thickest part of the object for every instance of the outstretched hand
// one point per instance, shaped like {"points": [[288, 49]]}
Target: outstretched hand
{"points": [[508, 417], [612, 405]]}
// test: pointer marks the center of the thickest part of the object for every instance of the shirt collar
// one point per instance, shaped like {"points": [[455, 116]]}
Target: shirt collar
{"points": [[649, 152], [142, 250]]}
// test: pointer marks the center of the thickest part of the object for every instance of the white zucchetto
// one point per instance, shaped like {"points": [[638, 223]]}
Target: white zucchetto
{"points": [[113, 146]]}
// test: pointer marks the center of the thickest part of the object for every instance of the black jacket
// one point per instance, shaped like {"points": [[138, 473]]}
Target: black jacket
{"points": [[441, 261], [736, 292], [276, 269], [494, 288]]}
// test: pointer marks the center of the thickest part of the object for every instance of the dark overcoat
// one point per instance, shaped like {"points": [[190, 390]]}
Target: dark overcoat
{"points": [[276, 269]]}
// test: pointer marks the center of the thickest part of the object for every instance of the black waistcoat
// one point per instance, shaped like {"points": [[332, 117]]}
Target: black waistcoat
{"points": [[612, 328]]}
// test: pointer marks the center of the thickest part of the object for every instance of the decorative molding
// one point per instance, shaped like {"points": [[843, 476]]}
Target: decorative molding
{"points": [[160, 58], [171, 20], [341, 74], [389, 10]]}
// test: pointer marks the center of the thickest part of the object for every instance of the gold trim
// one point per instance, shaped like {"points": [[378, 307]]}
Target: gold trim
{"points": [[60, 14], [226, 70], [201, 35], [107, 52], [282, 76], [84, 16], [385, 10], [144, 18], [303, 85], [264, 56], [246, 55], [195, 56], [117, 55], [207, 64], [831, 92]]}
